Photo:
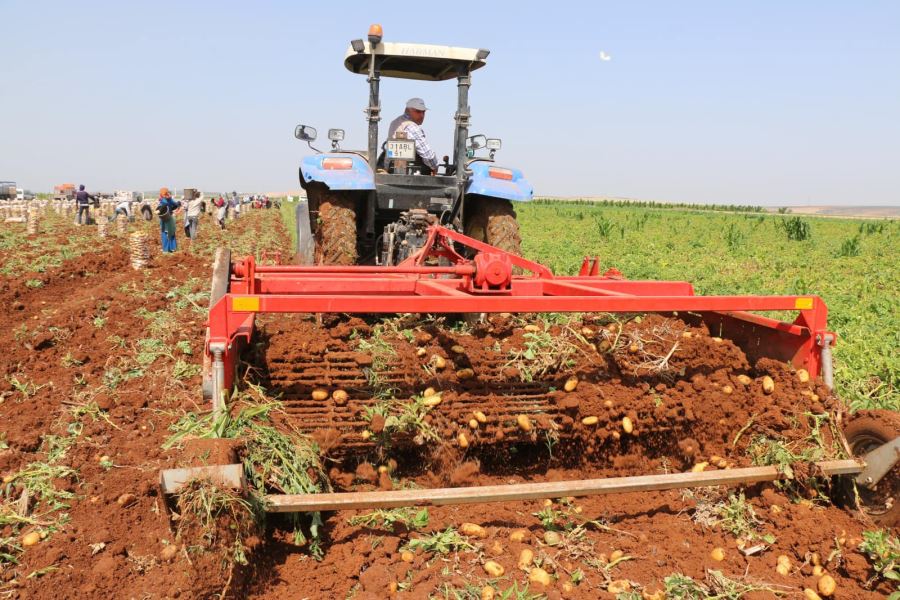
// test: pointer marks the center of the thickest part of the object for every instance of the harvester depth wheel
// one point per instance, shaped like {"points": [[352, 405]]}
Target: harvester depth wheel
{"points": [[866, 432], [336, 231], [493, 221]]}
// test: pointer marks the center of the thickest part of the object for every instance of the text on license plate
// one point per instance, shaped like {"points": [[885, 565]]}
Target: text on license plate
{"points": [[401, 149]]}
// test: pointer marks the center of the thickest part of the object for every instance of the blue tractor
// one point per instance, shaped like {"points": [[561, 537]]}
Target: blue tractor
{"points": [[373, 206]]}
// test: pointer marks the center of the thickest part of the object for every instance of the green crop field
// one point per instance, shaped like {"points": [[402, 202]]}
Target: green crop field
{"points": [[851, 264]]}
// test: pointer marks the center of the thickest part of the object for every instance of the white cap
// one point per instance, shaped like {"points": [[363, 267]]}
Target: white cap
{"points": [[416, 103]]}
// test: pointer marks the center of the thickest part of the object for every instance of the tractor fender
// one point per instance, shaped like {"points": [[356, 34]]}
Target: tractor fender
{"points": [[358, 177], [482, 183]]}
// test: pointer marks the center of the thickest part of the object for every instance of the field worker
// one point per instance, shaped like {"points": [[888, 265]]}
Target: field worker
{"points": [[234, 203], [166, 210], [83, 202], [123, 208], [410, 122], [192, 218], [221, 211]]}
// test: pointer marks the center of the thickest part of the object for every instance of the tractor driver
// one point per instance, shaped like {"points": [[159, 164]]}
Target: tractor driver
{"points": [[410, 122]]}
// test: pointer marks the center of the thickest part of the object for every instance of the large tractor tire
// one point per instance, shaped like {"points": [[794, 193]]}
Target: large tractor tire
{"points": [[493, 221], [336, 230], [867, 431]]}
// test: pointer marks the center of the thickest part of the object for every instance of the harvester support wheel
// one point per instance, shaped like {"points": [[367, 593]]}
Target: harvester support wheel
{"points": [[493, 221], [866, 432], [147, 213], [336, 230]]}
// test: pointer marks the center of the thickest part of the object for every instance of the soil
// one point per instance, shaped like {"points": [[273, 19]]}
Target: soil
{"points": [[70, 337]]}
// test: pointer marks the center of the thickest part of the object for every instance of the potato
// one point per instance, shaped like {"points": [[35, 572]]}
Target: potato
{"points": [[438, 361], [479, 416], [526, 557], [727, 390], [571, 384], [552, 538], [744, 379], [567, 587], [383, 469], [421, 352], [487, 593], [619, 586], [714, 458], [783, 558], [531, 328], [407, 556], [393, 587], [30, 539], [717, 340], [432, 401], [538, 575], [494, 569], [429, 391], [608, 403], [783, 569], [811, 595], [590, 420], [473, 423], [496, 548], [717, 554], [633, 348], [524, 423], [657, 595], [814, 559], [587, 332], [9, 478], [462, 440], [457, 349], [518, 535], [802, 375], [627, 425], [686, 335], [826, 585], [722, 464], [768, 384], [818, 571], [465, 373], [340, 396], [366, 434], [615, 555], [319, 394], [473, 530], [699, 467]]}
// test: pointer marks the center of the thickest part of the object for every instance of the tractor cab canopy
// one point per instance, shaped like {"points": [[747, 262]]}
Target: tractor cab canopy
{"points": [[417, 61]]}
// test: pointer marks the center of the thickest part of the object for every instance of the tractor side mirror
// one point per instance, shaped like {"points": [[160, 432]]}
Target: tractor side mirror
{"points": [[476, 142], [305, 133]]}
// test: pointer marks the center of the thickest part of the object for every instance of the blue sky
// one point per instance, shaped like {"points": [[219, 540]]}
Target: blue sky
{"points": [[756, 102]]}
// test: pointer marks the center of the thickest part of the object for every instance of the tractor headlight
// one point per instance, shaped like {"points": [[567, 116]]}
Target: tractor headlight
{"points": [[493, 144], [335, 135]]}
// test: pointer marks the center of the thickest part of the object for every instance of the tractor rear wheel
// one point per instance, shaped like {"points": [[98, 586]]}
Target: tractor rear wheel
{"points": [[866, 432], [336, 230], [493, 221]]}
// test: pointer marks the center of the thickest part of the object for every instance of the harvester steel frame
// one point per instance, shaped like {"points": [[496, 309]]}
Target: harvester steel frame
{"points": [[439, 278]]}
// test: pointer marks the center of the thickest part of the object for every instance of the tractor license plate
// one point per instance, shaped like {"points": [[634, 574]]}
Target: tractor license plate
{"points": [[401, 150]]}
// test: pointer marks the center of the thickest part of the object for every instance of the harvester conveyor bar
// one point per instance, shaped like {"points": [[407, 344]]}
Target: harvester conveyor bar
{"points": [[285, 503]]}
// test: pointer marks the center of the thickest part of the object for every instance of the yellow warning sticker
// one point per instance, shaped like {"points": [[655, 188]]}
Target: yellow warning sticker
{"points": [[247, 304], [803, 303]]}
